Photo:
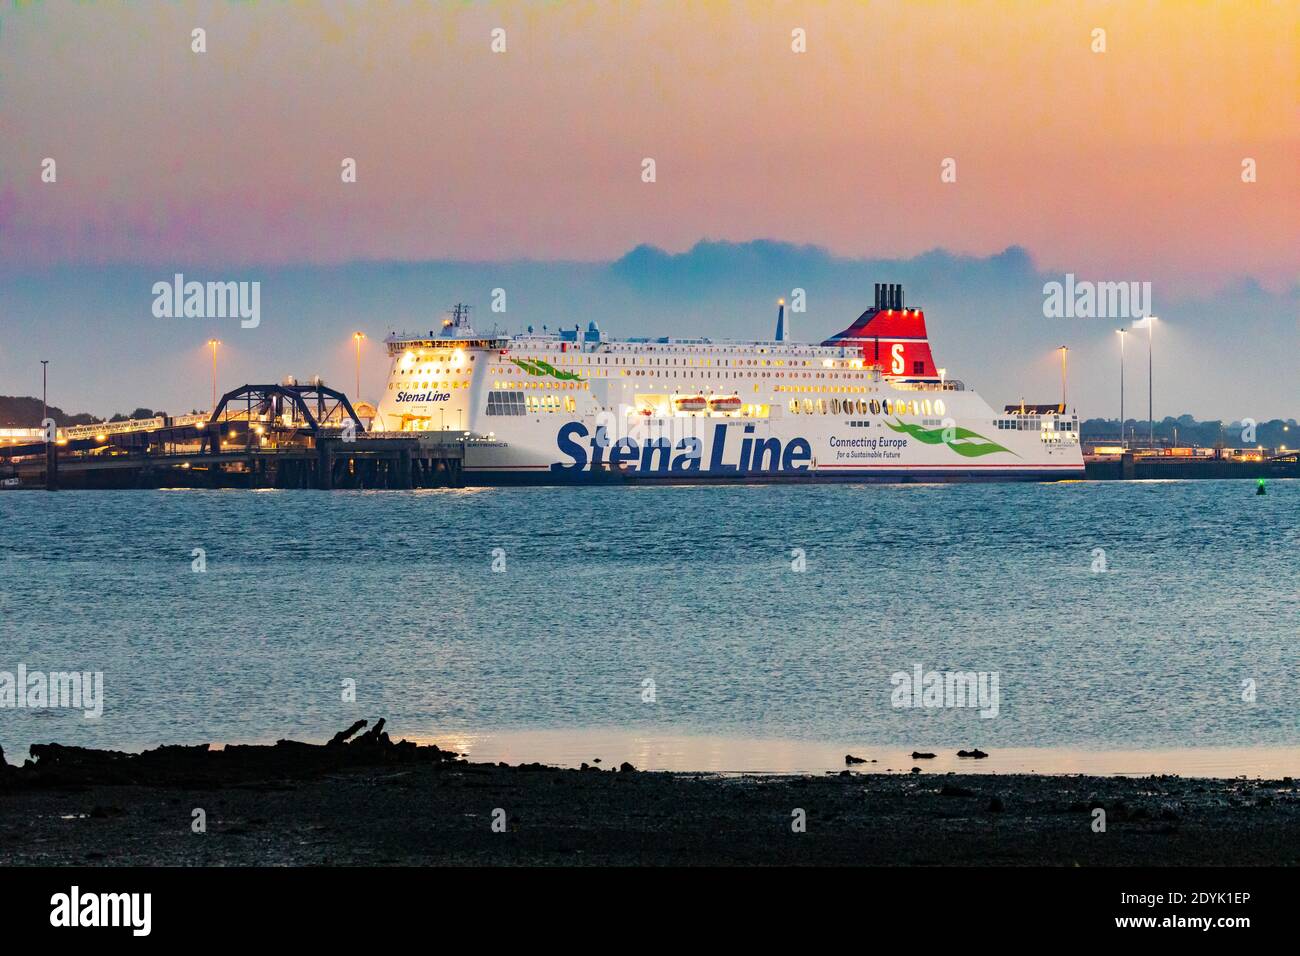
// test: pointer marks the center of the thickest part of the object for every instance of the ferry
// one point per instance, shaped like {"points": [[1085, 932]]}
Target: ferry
{"points": [[573, 405]]}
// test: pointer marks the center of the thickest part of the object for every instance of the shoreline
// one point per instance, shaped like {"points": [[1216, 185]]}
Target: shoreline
{"points": [[365, 799], [683, 751]]}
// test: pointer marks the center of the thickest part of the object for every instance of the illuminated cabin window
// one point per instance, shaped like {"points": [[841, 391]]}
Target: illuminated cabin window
{"points": [[929, 409], [835, 406], [505, 403], [807, 406], [938, 406], [875, 407], [794, 406]]}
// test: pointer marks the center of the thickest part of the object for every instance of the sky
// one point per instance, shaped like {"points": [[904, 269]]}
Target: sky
{"points": [[1122, 164]]}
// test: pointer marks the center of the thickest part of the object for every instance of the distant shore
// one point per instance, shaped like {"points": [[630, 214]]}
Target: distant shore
{"points": [[364, 799]]}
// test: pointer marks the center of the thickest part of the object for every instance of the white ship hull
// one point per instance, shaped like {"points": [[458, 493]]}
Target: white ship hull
{"points": [[575, 407], [541, 451]]}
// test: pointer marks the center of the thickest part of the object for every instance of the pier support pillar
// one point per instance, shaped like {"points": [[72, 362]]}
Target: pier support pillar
{"points": [[51, 466], [1127, 470], [324, 466]]}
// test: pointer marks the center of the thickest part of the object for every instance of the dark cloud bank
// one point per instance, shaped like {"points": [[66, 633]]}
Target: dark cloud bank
{"points": [[1226, 355]]}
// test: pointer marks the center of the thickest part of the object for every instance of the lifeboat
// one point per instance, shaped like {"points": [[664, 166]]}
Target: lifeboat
{"points": [[691, 403], [725, 403]]}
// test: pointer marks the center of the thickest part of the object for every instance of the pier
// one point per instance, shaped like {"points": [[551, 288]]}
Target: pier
{"points": [[1145, 467], [259, 436]]}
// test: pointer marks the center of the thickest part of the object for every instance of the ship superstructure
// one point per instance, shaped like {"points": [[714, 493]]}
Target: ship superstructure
{"points": [[573, 405]]}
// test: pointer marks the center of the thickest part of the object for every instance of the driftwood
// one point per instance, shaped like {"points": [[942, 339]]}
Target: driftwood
{"points": [[343, 735], [56, 765]]}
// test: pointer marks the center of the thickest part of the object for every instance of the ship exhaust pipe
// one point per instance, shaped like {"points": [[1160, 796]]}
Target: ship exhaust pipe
{"points": [[889, 295]]}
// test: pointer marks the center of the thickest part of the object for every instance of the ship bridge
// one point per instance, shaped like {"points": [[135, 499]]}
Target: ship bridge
{"points": [[456, 333]]}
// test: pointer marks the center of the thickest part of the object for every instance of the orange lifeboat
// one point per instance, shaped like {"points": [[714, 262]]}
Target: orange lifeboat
{"points": [[725, 403], [692, 403]]}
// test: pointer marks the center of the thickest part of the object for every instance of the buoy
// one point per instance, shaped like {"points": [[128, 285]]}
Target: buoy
{"points": [[1261, 489]]}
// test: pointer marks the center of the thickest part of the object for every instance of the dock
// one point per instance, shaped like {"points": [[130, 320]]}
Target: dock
{"points": [[259, 436], [1140, 467]]}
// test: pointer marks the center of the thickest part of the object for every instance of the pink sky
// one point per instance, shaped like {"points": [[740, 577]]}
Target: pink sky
{"points": [[1123, 164]]}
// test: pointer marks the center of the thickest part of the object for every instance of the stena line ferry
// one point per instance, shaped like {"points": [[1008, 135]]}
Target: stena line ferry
{"points": [[573, 405]]}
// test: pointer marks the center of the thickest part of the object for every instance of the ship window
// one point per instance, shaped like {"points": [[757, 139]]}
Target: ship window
{"points": [[938, 406], [505, 403], [794, 406], [918, 368]]}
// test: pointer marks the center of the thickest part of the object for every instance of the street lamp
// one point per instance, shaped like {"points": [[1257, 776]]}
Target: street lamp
{"points": [[357, 337], [1151, 415], [1062, 349], [213, 343], [44, 403], [1123, 442]]}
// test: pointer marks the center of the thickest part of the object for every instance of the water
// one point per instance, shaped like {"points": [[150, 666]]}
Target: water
{"points": [[689, 587]]}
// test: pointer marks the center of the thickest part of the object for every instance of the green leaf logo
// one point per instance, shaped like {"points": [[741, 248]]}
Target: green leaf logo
{"points": [[538, 367], [964, 442]]}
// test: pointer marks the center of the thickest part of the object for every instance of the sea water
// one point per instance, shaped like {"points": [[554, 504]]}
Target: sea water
{"points": [[738, 626]]}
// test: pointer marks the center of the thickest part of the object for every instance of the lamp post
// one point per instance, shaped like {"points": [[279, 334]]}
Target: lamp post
{"points": [[45, 413], [1062, 349], [213, 343], [1123, 441], [1151, 415], [357, 337]]}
